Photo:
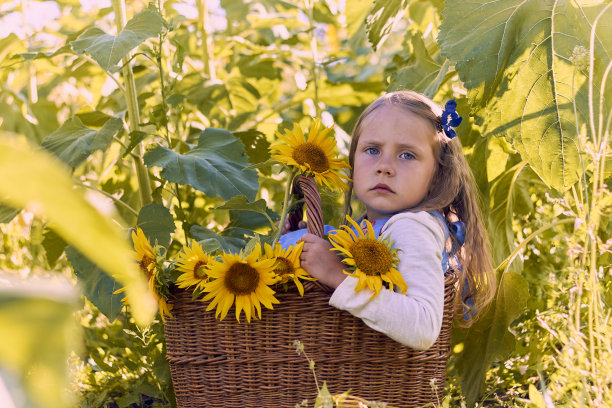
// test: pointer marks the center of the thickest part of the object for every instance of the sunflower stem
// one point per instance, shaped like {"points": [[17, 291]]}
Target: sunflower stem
{"points": [[285, 209]]}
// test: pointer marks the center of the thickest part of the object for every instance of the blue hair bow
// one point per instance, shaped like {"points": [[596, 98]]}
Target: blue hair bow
{"points": [[450, 119]]}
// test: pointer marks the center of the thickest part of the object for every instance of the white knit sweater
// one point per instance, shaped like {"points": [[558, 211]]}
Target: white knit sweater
{"points": [[414, 318]]}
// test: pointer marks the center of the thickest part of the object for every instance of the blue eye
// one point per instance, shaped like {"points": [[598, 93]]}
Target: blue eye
{"points": [[407, 156], [371, 150]]}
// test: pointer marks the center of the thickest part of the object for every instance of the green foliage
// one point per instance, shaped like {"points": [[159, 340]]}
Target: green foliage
{"points": [[518, 70], [97, 286], [7, 213], [74, 142], [489, 338], [215, 166], [45, 187], [39, 336], [107, 50], [518, 65], [382, 17], [240, 203], [157, 223], [54, 246], [123, 365]]}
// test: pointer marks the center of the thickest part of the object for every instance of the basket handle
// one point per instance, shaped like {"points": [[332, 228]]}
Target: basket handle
{"points": [[307, 187]]}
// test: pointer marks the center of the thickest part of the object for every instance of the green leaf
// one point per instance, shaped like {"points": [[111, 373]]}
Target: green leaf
{"points": [[489, 338], [7, 213], [73, 142], [54, 246], [509, 198], [40, 333], [252, 221], [136, 137], [38, 182], [382, 18], [9, 46], [515, 57], [256, 145], [227, 243], [259, 66], [157, 223], [241, 213], [29, 56], [356, 20], [107, 50], [93, 118], [243, 96], [536, 399], [97, 286], [420, 72], [214, 167], [240, 203]]}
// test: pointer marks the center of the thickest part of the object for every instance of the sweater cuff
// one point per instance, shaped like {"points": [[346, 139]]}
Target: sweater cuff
{"points": [[343, 292]]}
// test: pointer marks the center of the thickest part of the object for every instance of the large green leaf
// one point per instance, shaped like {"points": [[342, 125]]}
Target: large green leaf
{"points": [[10, 45], [382, 18], [74, 142], [97, 286], [515, 57], [255, 145], [489, 338], [7, 213], [108, 50], [228, 243], [249, 215], [40, 183], [214, 167], [422, 73], [39, 333], [156, 223], [510, 197], [54, 246], [240, 203]]}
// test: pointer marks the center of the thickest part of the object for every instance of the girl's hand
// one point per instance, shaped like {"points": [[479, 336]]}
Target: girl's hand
{"points": [[320, 262]]}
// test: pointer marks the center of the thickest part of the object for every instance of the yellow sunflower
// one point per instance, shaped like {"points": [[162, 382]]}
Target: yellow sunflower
{"points": [[314, 155], [193, 263], [243, 278], [369, 259], [287, 264], [146, 256]]}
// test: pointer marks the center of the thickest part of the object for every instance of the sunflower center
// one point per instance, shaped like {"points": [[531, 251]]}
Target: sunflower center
{"points": [[371, 257], [312, 155], [283, 267], [241, 279], [199, 270], [145, 265]]}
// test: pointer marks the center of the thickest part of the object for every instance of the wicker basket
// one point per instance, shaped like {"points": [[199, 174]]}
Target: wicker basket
{"points": [[230, 364]]}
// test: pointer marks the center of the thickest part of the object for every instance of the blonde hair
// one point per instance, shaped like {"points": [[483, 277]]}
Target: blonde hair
{"points": [[453, 192]]}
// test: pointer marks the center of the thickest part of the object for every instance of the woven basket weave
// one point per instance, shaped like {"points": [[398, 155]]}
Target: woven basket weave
{"points": [[238, 365]]}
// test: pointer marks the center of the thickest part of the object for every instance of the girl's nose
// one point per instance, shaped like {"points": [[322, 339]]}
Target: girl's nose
{"points": [[384, 167]]}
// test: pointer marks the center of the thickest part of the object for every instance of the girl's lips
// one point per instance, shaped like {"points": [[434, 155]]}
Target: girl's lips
{"points": [[383, 188]]}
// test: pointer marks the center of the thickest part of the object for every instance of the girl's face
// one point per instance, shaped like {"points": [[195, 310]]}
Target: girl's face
{"points": [[394, 161]]}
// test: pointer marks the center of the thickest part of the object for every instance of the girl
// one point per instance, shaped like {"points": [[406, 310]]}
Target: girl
{"points": [[409, 171]]}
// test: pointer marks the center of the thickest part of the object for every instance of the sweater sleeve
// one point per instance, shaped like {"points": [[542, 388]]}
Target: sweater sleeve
{"points": [[414, 318]]}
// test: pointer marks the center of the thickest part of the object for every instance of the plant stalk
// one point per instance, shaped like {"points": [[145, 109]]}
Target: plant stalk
{"points": [[144, 183], [315, 57], [207, 45], [285, 209]]}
